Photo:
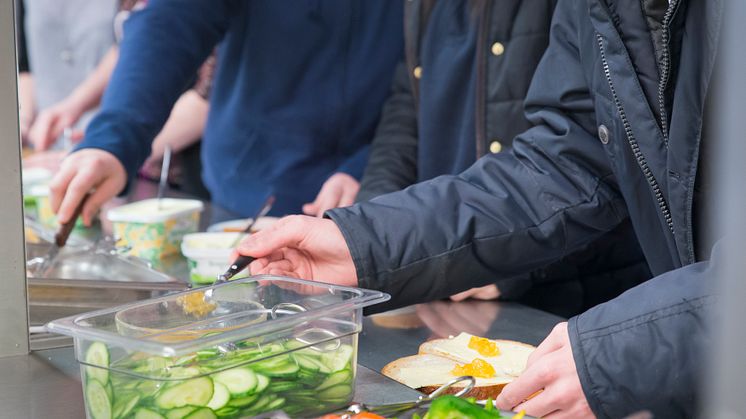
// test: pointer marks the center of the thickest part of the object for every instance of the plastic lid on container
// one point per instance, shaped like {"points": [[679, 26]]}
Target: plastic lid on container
{"points": [[255, 307], [148, 210], [208, 245]]}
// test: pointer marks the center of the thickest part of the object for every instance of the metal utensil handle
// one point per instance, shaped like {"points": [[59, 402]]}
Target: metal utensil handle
{"points": [[262, 212], [165, 167], [446, 386], [60, 238]]}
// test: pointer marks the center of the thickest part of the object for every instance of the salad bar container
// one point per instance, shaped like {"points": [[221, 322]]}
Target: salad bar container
{"points": [[237, 349]]}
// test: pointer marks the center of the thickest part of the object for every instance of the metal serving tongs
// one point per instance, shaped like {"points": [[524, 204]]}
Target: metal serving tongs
{"points": [[387, 410], [241, 262]]}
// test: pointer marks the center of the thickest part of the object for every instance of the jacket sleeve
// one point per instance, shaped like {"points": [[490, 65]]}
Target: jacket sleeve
{"points": [[645, 350], [355, 164], [164, 45], [508, 214], [392, 165]]}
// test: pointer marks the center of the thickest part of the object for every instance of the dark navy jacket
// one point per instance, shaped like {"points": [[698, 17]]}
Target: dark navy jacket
{"points": [[297, 94], [618, 110], [473, 61]]}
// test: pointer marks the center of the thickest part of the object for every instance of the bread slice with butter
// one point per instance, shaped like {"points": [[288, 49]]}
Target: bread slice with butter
{"points": [[434, 364]]}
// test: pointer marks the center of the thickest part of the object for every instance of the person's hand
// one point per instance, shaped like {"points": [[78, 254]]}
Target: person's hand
{"points": [[92, 171], [445, 318], [549, 387], [487, 292], [339, 190], [51, 123], [50, 160], [301, 247]]}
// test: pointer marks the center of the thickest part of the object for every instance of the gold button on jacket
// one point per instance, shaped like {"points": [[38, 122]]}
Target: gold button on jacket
{"points": [[498, 48], [495, 147]]}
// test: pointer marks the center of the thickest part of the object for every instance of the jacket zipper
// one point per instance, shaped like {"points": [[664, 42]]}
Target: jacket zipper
{"points": [[480, 111], [641, 161], [666, 67]]}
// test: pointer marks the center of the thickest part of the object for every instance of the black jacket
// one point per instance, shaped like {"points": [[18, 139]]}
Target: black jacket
{"points": [[458, 94], [460, 90], [611, 143]]}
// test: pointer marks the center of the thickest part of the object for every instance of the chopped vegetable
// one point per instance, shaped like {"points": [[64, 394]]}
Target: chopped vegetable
{"points": [[210, 384], [451, 407]]}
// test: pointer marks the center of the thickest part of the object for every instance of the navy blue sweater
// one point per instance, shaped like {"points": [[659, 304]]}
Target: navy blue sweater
{"points": [[296, 96]]}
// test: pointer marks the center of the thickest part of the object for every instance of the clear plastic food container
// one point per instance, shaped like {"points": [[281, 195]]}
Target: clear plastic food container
{"points": [[154, 230], [208, 254], [256, 345]]}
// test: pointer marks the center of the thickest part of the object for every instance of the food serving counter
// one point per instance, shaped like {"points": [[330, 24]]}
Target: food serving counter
{"points": [[46, 384]]}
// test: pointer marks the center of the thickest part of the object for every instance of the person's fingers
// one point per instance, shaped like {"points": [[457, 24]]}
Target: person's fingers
{"points": [[81, 184], [40, 131], [257, 266], [108, 189], [490, 292], [463, 295], [348, 195], [58, 185], [533, 379], [310, 209], [329, 200], [552, 342], [539, 405], [287, 232], [78, 136]]}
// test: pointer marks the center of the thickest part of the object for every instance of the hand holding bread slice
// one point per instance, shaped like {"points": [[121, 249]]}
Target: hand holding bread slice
{"points": [[433, 365]]}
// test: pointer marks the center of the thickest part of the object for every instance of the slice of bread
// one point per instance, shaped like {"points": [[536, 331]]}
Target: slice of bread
{"points": [[432, 367]]}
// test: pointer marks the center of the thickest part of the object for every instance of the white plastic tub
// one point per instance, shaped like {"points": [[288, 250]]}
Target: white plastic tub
{"points": [[208, 254], [154, 232]]}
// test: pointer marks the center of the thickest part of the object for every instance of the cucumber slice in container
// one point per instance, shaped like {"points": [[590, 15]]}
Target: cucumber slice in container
{"points": [[339, 391], [180, 412], [201, 413], [239, 381], [98, 355], [289, 369], [262, 382], [339, 377], [147, 414], [220, 396], [124, 405], [99, 404], [307, 363], [243, 401], [227, 412], [338, 359], [195, 392]]}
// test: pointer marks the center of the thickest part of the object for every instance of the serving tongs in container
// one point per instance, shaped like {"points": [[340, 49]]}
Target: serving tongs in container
{"points": [[387, 410]]}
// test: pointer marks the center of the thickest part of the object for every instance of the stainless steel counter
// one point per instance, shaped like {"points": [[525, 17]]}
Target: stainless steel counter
{"points": [[46, 384]]}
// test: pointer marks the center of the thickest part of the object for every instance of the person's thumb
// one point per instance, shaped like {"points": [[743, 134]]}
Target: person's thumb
{"points": [[287, 232], [311, 209]]}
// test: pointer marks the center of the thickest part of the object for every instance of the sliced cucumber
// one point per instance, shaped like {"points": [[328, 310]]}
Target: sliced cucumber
{"points": [[144, 413], [226, 412], [262, 382], [99, 404], [270, 363], [195, 392], [338, 359], [220, 396], [307, 363], [184, 372], [109, 391], [339, 377], [201, 413], [243, 401], [180, 412], [148, 388], [124, 405], [238, 381], [281, 386], [275, 404], [98, 355], [337, 392], [262, 403], [283, 371]]}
